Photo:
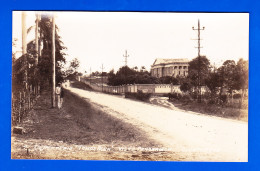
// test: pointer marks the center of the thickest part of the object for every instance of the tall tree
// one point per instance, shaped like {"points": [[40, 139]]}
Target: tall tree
{"points": [[198, 66], [45, 26], [229, 76], [72, 71]]}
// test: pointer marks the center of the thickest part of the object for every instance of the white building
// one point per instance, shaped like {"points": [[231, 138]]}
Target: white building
{"points": [[169, 67]]}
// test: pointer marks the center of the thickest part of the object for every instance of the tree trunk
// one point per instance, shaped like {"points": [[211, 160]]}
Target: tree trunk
{"points": [[53, 62]]}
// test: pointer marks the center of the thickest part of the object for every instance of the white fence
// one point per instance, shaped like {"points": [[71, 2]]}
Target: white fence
{"points": [[146, 88]]}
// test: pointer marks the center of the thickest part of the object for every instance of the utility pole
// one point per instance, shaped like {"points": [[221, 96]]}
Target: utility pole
{"points": [[24, 47], [102, 68], [36, 38], [199, 60], [53, 62], [37, 49], [90, 75], [125, 56]]}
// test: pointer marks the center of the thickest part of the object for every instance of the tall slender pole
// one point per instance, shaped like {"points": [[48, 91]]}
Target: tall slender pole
{"points": [[102, 76], [36, 38], [53, 62], [125, 56], [90, 75], [199, 61], [24, 47]]}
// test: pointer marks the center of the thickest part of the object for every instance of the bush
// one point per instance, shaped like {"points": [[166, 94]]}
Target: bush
{"points": [[186, 98], [237, 96], [80, 85], [223, 98], [139, 95], [173, 96]]}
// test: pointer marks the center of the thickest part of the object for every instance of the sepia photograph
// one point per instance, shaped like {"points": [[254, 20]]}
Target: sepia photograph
{"points": [[132, 86]]}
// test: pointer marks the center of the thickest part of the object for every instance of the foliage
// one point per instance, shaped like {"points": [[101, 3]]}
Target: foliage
{"points": [[185, 87], [213, 82], [169, 80], [139, 95], [126, 75], [72, 71], [199, 66], [229, 76], [242, 69], [45, 25]]}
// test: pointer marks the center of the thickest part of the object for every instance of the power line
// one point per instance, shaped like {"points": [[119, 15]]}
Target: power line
{"points": [[199, 69]]}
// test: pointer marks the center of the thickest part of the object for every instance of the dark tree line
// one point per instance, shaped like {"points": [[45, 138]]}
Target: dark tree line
{"points": [[230, 76], [126, 75]]}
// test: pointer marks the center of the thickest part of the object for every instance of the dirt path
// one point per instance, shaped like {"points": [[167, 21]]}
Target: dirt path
{"points": [[82, 131], [190, 136]]}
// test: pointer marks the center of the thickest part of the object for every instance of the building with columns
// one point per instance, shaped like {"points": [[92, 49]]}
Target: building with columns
{"points": [[170, 67]]}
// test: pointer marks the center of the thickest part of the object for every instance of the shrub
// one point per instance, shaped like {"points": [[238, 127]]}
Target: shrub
{"points": [[237, 96], [139, 95], [223, 98], [186, 98], [80, 85], [173, 96]]}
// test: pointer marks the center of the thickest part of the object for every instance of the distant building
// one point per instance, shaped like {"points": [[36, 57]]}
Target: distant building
{"points": [[170, 67]]}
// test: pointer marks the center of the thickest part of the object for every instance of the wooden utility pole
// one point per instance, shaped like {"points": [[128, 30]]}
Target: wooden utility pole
{"points": [[90, 75], [53, 62], [125, 56], [24, 47], [102, 68], [199, 58], [36, 38], [36, 85]]}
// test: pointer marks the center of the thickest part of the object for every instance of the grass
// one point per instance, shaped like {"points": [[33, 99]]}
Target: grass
{"points": [[81, 85], [211, 109], [60, 134]]}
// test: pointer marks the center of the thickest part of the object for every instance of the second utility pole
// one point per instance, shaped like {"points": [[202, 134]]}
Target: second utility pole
{"points": [[102, 76], [199, 61], [125, 56]]}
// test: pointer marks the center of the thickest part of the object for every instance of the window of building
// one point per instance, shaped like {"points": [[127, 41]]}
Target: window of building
{"points": [[179, 67]]}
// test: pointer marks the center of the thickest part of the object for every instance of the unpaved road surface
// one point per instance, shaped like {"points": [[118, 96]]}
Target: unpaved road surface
{"points": [[192, 136]]}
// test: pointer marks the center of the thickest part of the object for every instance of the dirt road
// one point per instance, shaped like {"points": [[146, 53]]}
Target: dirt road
{"points": [[193, 137]]}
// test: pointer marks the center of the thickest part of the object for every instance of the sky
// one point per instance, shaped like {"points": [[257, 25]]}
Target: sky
{"points": [[97, 38]]}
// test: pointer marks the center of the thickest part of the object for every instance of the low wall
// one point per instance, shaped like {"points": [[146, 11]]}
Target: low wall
{"points": [[146, 88]]}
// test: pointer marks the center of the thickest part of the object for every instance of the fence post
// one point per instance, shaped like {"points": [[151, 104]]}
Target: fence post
{"points": [[24, 102], [20, 106]]}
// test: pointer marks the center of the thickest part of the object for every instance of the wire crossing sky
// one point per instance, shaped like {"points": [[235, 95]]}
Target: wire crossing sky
{"points": [[97, 38]]}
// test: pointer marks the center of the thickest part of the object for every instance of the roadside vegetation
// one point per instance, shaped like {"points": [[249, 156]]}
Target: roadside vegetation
{"points": [[50, 133], [236, 109], [138, 96]]}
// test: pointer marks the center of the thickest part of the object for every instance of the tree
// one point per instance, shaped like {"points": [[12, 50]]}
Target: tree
{"points": [[72, 71], [45, 27], [242, 69], [229, 76], [125, 75], [199, 69], [169, 80], [185, 87], [196, 65], [213, 82]]}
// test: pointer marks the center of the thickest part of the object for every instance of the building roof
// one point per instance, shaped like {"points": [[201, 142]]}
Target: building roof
{"points": [[168, 61]]}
